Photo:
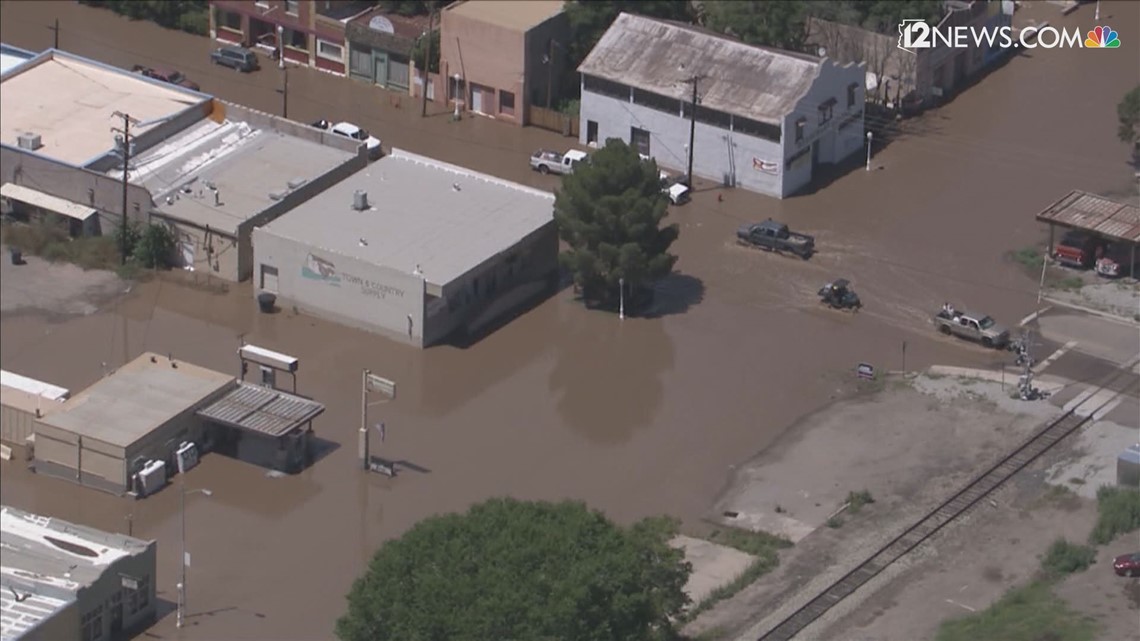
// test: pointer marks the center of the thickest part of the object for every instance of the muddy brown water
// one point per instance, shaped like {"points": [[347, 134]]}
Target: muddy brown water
{"points": [[636, 417]]}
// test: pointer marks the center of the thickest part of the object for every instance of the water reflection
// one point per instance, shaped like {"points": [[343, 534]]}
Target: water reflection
{"points": [[607, 377]]}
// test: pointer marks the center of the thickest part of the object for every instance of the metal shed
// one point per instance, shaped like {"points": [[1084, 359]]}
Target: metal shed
{"points": [[1096, 214], [264, 426], [1128, 467]]}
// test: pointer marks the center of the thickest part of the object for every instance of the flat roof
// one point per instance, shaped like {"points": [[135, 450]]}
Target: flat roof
{"points": [[1090, 212], [262, 409], [135, 399], [739, 79], [69, 102], [251, 169], [32, 386], [46, 561], [11, 57], [512, 14], [423, 214]]}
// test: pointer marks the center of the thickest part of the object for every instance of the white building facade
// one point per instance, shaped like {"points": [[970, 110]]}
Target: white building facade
{"points": [[766, 120]]}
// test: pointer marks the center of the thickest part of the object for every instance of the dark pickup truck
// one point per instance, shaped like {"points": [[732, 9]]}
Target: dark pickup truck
{"points": [[775, 236], [167, 75]]}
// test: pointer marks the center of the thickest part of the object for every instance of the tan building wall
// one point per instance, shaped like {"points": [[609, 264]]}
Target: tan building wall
{"points": [[63, 626], [489, 59]]}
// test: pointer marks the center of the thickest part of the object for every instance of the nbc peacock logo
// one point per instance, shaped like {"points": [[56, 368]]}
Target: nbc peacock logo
{"points": [[1102, 38]]}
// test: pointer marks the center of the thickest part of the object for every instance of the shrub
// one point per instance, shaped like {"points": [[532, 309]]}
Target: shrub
{"points": [[155, 247], [749, 542], [856, 500], [1029, 613], [95, 252], [1064, 558], [197, 23], [56, 253], [1118, 513], [1028, 257], [835, 522]]}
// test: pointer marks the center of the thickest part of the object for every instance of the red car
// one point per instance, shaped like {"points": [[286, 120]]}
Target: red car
{"points": [[1118, 260], [167, 75], [1127, 564]]}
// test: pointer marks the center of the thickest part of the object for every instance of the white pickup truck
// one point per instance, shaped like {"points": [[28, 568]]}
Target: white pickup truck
{"points": [[547, 162]]}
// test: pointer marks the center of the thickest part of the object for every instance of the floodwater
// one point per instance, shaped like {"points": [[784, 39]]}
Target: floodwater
{"points": [[636, 417]]}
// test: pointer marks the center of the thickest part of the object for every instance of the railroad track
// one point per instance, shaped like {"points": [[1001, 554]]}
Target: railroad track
{"points": [[941, 516]]}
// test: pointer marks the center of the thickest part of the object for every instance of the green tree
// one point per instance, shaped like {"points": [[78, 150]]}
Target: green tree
{"points": [[411, 7], [525, 571], [154, 247], [589, 19], [1129, 113], [419, 50], [609, 212], [885, 16], [760, 22]]}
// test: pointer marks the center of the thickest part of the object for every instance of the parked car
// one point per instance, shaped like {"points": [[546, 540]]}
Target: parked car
{"points": [[552, 162], [236, 58], [349, 130], [1127, 564], [167, 75], [775, 236], [1118, 260], [1077, 249], [972, 326]]}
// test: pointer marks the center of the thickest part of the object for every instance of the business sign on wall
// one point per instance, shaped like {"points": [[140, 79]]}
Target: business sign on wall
{"points": [[319, 269]]}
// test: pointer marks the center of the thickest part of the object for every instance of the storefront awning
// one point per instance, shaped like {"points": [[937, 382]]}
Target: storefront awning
{"points": [[51, 203], [262, 409]]}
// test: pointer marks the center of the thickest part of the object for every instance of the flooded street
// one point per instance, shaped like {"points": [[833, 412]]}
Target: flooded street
{"points": [[636, 417]]}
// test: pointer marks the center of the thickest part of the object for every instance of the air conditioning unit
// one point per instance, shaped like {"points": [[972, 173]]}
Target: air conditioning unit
{"points": [[30, 141]]}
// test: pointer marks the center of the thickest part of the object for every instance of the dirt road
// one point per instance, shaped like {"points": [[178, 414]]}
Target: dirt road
{"points": [[637, 417]]}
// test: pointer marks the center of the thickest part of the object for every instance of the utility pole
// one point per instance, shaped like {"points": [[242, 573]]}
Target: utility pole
{"points": [[549, 72], [694, 80], [427, 65], [124, 142], [284, 91], [55, 34]]}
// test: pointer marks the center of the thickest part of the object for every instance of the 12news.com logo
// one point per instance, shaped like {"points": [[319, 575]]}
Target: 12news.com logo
{"points": [[916, 33]]}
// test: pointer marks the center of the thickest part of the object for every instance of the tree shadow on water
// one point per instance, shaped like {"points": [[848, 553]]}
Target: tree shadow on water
{"points": [[607, 376], [674, 294]]}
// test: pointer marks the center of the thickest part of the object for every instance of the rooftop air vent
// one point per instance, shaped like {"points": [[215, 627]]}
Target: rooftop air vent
{"points": [[276, 195], [297, 183], [30, 141], [360, 200]]}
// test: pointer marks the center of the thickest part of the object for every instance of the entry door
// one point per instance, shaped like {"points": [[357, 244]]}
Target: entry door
{"points": [[591, 132], [269, 278], [639, 140], [188, 254], [476, 99], [380, 67]]}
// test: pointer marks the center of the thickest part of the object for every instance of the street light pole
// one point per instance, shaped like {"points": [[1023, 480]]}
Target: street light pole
{"points": [[869, 136], [1096, 16], [280, 47], [692, 129], [185, 558], [621, 299], [125, 134], [284, 91], [427, 65]]}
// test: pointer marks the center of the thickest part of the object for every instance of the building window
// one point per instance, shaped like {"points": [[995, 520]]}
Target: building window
{"points": [[330, 50], [295, 39], [262, 4], [292, 7], [139, 598], [360, 61], [756, 129], [851, 91], [639, 140], [825, 110], [229, 20], [801, 127], [92, 624], [655, 101], [605, 87], [506, 103]]}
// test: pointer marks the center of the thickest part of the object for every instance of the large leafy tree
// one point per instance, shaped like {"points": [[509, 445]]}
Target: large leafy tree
{"points": [[1129, 113], [609, 212], [526, 571], [589, 19]]}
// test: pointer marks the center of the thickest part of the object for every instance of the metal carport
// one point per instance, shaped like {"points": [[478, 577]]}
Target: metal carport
{"points": [[266, 426], [1096, 214]]}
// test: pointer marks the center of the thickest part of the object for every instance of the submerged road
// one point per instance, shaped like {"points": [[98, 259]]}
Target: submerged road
{"points": [[637, 418]]}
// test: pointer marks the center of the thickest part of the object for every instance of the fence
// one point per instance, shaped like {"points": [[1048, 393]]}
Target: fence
{"points": [[552, 120]]}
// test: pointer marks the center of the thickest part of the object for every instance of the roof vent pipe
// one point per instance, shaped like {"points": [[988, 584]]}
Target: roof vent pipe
{"points": [[360, 200]]}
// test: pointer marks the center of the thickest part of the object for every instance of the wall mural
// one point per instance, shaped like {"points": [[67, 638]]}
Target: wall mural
{"points": [[320, 269], [766, 166]]}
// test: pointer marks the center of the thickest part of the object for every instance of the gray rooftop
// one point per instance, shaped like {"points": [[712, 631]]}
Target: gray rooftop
{"points": [[445, 219], [48, 561], [261, 409], [738, 79], [248, 167], [137, 398]]}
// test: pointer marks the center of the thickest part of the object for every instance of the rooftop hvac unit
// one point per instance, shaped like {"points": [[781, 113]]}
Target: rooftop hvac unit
{"points": [[30, 141], [360, 200]]}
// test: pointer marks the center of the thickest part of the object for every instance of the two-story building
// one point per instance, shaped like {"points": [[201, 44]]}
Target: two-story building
{"points": [[765, 119], [923, 77], [311, 32], [502, 56]]}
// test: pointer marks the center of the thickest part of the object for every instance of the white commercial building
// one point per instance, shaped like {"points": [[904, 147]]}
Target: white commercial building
{"points": [[765, 121], [411, 248]]}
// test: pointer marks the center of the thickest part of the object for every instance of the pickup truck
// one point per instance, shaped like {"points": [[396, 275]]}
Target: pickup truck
{"points": [[1118, 260], [674, 188], [547, 162], [775, 236], [1077, 249], [972, 326], [167, 75]]}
